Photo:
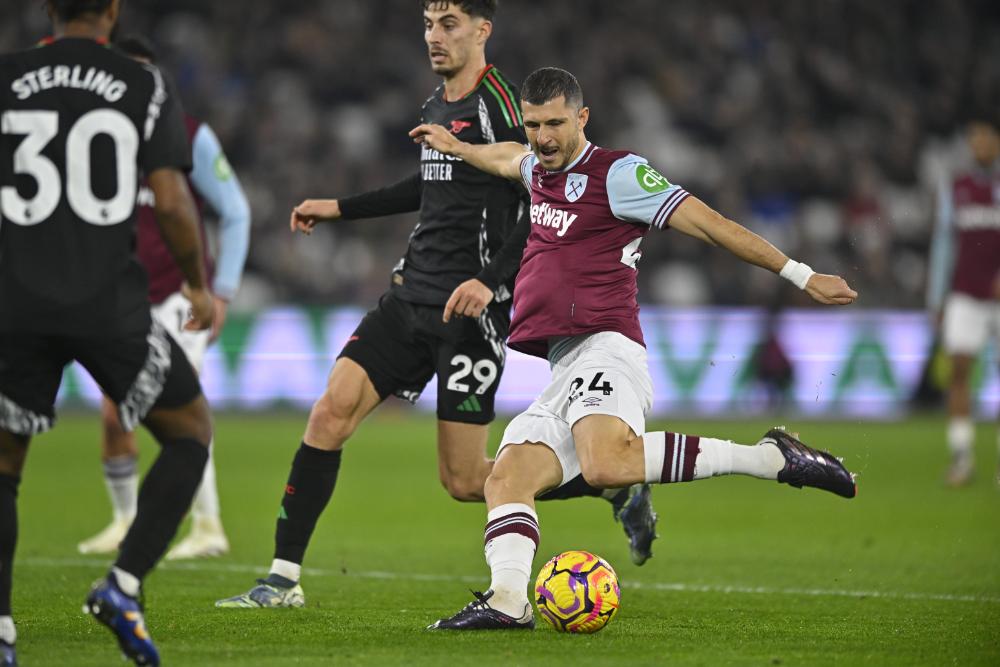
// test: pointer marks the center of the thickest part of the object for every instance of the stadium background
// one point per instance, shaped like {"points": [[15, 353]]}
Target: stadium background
{"points": [[828, 127]]}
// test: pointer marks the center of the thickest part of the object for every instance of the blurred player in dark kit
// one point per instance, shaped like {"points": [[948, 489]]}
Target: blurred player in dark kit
{"points": [[79, 124]]}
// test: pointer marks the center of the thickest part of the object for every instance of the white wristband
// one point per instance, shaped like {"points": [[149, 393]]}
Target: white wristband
{"points": [[797, 273]]}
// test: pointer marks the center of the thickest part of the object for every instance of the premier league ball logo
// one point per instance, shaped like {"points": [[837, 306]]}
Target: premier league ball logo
{"points": [[576, 185]]}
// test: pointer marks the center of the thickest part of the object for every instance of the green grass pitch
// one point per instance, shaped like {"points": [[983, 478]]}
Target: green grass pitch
{"points": [[745, 572]]}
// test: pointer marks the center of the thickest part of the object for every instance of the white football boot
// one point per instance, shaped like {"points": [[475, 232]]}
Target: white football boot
{"points": [[205, 540], [108, 540]]}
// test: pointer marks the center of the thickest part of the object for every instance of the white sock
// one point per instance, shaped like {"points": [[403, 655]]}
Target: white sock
{"points": [[678, 457], [206, 500], [723, 457], [653, 449], [8, 632], [961, 431], [511, 539], [121, 476], [287, 569], [127, 581]]}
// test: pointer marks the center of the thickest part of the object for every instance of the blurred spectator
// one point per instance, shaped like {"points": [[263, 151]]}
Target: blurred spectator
{"points": [[777, 112]]}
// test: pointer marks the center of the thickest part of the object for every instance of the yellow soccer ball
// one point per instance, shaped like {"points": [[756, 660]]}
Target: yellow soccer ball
{"points": [[577, 592]]}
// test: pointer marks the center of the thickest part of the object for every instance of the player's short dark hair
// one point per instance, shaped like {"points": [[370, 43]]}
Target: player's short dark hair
{"points": [[548, 83], [136, 46], [485, 9], [67, 10]]}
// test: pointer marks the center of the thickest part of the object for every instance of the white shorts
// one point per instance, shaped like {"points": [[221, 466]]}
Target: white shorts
{"points": [[969, 323], [173, 313], [606, 374]]}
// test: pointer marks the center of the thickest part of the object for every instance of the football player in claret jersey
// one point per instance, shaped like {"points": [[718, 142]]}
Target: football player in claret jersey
{"points": [[590, 208], [212, 180], [446, 313], [79, 123], [965, 254]]}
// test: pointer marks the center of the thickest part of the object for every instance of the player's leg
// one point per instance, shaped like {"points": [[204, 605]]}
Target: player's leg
{"points": [[511, 538], [611, 455], [207, 536], [120, 462], [468, 357], [463, 465], [380, 359], [610, 394], [468, 378], [961, 426], [150, 379], [349, 397], [30, 372], [966, 326], [13, 451]]}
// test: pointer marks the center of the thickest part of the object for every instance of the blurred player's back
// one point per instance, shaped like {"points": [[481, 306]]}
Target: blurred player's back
{"points": [[67, 256]]}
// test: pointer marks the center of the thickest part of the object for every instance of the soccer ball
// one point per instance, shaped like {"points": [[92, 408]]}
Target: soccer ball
{"points": [[577, 592]]}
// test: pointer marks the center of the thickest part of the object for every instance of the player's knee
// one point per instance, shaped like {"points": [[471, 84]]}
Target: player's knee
{"points": [[600, 467], [110, 423], [335, 415], [200, 421], [463, 487], [960, 373], [599, 475], [509, 480]]}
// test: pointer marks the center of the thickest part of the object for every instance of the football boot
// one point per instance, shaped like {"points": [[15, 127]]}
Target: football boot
{"points": [[205, 540], [479, 615], [633, 508], [805, 466], [108, 540], [271, 593], [8, 656], [122, 614]]}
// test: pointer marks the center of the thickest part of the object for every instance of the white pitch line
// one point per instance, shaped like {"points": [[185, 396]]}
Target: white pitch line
{"points": [[242, 568]]}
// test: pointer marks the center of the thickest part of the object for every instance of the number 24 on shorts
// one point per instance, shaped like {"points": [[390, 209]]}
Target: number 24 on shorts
{"points": [[604, 387]]}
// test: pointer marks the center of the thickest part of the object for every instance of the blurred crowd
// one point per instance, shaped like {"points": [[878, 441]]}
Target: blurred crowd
{"points": [[827, 125]]}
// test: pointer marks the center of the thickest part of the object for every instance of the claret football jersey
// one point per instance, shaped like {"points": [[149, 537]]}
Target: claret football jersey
{"points": [[976, 217], [578, 272]]}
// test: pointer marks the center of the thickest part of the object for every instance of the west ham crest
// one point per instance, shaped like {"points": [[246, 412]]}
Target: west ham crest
{"points": [[576, 185]]}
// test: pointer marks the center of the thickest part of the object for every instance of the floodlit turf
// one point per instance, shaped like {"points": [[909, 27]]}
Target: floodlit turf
{"points": [[745, 571]]}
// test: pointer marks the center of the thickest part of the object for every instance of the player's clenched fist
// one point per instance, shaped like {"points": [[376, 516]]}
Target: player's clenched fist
{"points": [[306, 215], [202, 308], [832, 290], [436, 137], [468, 299]]}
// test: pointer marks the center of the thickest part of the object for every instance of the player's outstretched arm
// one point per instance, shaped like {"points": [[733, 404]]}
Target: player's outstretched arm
{"points": [[402, 197], [694, 218], [502, 159], [178, 221], [311, 212]]}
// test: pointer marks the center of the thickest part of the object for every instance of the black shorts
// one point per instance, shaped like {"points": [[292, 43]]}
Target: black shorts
{"points": [[402, 345], [137, 371]]}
